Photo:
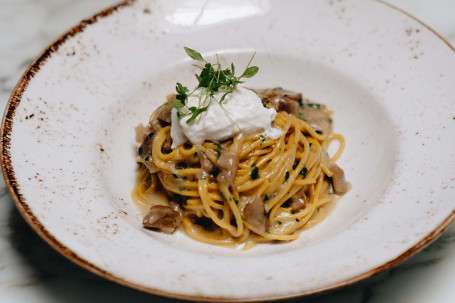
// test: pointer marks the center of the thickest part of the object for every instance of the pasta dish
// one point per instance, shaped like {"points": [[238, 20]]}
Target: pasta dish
{"points": [[227, 184]]}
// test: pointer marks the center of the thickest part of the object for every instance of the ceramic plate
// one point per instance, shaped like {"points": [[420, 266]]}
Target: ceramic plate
{"points": [[68, 153]]}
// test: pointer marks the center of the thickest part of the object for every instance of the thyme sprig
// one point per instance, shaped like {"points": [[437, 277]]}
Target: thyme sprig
{"points": [[213, 80]]}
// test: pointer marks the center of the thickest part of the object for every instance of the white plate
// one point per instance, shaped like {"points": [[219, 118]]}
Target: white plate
{"points": [[68, 151]]}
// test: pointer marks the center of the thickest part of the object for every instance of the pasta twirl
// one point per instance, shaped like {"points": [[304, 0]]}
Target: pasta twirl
{"points": [[279, 186]]}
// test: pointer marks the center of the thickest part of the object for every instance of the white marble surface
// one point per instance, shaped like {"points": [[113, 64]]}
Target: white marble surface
{"points": [[31, 271]]}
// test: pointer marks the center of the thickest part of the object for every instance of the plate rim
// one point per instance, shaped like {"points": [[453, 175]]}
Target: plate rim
{"points": [[13, 186]]}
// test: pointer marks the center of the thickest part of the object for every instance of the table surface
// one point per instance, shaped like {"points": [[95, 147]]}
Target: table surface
{"points": [[31, 271]]}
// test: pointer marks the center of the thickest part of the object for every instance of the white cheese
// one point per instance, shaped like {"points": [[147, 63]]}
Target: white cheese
{"points": [[241, 111]]}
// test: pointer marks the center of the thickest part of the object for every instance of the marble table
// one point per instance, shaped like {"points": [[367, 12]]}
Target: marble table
{"points": [[31, 271]]}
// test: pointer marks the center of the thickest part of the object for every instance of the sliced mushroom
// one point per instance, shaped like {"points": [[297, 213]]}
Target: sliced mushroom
{"points": [[300, 199], [228, 162], [255, 213], [294, 96], [176, 207], [162, 218], [282, 103], [164, 113], [145, 152], [317, 118], [141, 132], [338, 182], [155, 125], [206, 165], [281, 100]]}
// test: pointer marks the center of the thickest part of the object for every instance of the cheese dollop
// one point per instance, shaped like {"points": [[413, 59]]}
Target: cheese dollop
{"points": [[240, 111]]}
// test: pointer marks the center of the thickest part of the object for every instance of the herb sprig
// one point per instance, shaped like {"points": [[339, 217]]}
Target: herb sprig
{"points": [[212, 80]]}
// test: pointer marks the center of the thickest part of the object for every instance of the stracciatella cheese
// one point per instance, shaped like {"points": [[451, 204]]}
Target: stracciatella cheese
{"points": [[241, 111]]}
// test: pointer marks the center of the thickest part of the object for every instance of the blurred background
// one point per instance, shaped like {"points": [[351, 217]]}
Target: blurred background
{"points": [[31, 271]]}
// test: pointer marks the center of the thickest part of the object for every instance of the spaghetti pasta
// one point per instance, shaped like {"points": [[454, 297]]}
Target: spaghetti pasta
{"points": [[247, 188]]}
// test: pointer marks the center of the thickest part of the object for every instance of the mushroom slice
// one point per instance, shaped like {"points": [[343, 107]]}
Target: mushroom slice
{"points": [[162, 218]]}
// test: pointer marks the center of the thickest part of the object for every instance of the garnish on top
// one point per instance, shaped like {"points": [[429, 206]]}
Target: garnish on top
{"points": [[212, 80]]}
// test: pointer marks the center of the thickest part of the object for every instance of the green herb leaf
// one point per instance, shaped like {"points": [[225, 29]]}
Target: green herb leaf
{"points": [[266, 197], [297, 219], [177, 104], [223, 97], [218, 146], [181, 93], [304, 171], [196, 112], [180, 115], [250, 72], [193, 54], [261, 137], [254, 173], [286, 176]]}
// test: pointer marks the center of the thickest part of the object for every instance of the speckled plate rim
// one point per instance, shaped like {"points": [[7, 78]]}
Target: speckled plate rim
{"points": [[24, 209]]}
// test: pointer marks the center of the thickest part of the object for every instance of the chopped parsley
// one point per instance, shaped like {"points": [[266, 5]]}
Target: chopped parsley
{"points": [[195, 155], [261, 137], [266, 197], [286, 176], [297, 219], [314, 105], [255, 173], [215, 171], [175, 175], [181, 165], [218, 146], [318, 132], [304, 171], [311, 144]]}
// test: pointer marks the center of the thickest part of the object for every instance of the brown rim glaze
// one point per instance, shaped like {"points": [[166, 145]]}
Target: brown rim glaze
{"points": [[24, 209]]}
